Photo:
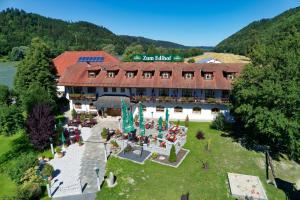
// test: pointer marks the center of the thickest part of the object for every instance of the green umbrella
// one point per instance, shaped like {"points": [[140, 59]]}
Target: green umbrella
{"points": [[63, 139], [160, 121], [124, 115], [167, 118], [141, 119], [130, 122]]}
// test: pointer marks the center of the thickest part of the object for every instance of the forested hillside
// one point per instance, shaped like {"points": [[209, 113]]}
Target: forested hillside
{"points": [[17, 28], [264, 32]]}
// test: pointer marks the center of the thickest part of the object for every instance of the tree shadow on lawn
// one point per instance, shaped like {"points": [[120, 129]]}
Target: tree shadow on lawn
{"points": [[288, 188]]}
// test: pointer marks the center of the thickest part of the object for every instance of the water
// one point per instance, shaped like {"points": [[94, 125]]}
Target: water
{"points": [[7, 73]]}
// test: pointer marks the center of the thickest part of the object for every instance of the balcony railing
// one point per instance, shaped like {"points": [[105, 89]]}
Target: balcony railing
{"points": [[75, 96], [163, 99]]}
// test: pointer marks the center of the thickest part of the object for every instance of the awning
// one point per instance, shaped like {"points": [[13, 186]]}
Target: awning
{"points": [[111, 102]]}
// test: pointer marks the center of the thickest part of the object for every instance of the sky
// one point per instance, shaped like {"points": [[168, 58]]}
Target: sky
{"points": [[187, 22]]}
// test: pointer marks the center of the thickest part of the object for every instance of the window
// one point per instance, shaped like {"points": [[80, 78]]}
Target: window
{"points": [[77, 90], [160, 109], [208, 76], [225, 93], [105, 89], [111, 74], [209, 94], [188, 75], [196, 110], [78, 105], [91, 90], [114, 89], [164, 92], [92, 75], [215, 110], [129, 74], [178, 109], [187, 93], [122, 90], [165, 75], [230, 76], [147, 75], [140, 91]]}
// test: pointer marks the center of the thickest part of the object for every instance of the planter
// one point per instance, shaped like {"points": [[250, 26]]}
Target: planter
{"points": [[59, 154]]}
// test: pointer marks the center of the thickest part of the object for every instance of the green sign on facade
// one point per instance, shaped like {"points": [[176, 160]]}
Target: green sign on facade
{"points": [[157, 58]]}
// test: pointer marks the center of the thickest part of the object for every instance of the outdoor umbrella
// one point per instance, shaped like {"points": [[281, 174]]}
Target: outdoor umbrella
{"points": [[124, 115], [160, 120], [141, 119], [167, 119], [63, 139]]}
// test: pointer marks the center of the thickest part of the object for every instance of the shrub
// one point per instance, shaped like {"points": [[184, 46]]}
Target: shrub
{"points": [[219, 123], [47, 154], [114, 143], [128, 148], [187, 121], [104, 133], [11, 119], [29, 191], [16, 167], [200, 135], [173, 156], [58, 149], [73, 113], [31, 176], [47, 170], [154, 155]]}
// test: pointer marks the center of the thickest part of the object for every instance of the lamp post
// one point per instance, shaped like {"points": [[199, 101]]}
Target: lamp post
{"points": [[97, 174], [51, 145]]}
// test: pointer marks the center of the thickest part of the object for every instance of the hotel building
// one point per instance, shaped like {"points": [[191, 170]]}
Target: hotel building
{"points": [[95, 81]]}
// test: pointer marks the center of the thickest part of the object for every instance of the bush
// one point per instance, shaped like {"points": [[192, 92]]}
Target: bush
{"points": [[219, 123], [47, 154], [58, 149], [173, 156], [128, 148], [73, 113], [11, 119], [114, 143], [47, 170], [191, 60], [200, 135], [154, 155], [29, 191], [16, 167], [104, 133], [31, 176]]}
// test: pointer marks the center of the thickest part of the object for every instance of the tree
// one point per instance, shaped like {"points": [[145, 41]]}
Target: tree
{"points": [[36, 68], [187, 121], [40, 126], [11, 120], [266, 97], [110, 48], [219, 123], [18, 53], [4, 95], [131, 50], [173, 156], [34, 95]]}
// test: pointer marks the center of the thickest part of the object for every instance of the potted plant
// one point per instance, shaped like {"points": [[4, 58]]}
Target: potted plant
{"points": [[47, 171], [59, 152]]}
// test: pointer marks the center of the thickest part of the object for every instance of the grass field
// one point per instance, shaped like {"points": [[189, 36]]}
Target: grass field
{"points": [[7, 186], [153, 181], [223, 57]]}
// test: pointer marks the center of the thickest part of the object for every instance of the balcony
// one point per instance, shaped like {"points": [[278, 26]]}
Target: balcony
{"points": [[184, 100], [75, 96]]}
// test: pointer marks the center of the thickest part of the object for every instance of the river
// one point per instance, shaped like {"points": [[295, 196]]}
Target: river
{"points": [[7, 73]]}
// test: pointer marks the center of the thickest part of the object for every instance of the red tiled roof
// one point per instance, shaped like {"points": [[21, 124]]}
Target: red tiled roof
{"points": [[77, 75], [68, 58]]}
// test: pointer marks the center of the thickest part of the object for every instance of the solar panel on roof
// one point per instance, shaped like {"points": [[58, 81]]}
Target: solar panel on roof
{"points": [[91, 59]]}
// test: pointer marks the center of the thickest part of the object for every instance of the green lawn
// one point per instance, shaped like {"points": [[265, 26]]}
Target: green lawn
{"points": [[7, 186], [153, 181]]}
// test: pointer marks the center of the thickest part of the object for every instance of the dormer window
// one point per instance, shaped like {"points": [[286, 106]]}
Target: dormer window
{"points": [[129, 74], [165, 75], [208, 76], [188, 75], [148, 75], [230, 76], [93, 73], [111, 74]]}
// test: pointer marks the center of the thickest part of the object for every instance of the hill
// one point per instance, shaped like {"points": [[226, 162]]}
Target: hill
{"points": [[17, 28], [223, 57], [265, 32]]}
